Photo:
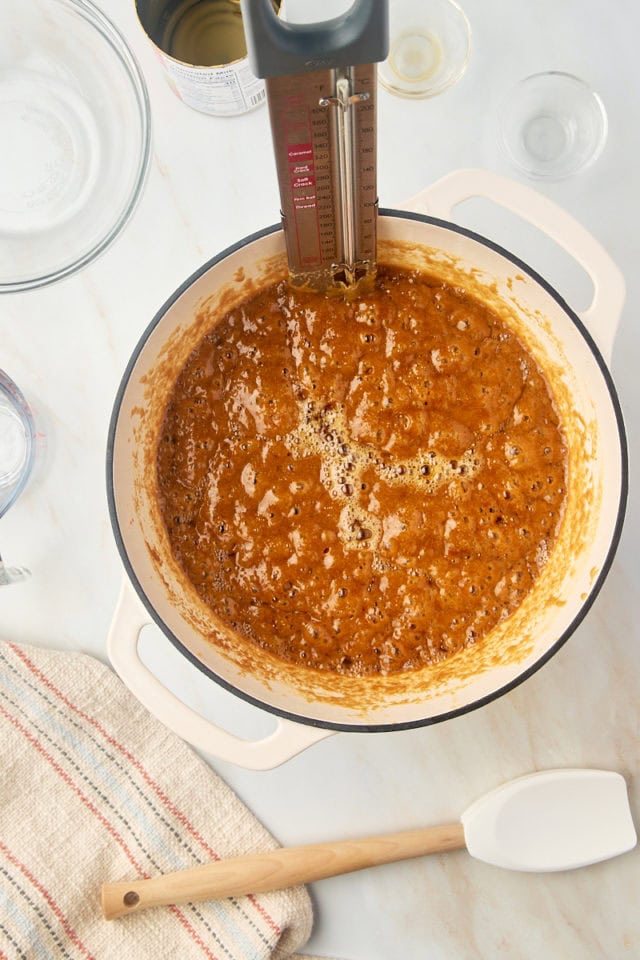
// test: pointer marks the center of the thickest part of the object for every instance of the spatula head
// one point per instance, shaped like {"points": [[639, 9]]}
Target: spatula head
{"points": [[553, 820]]}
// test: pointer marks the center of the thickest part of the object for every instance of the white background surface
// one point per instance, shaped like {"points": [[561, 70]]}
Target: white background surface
{"points": [[212, 182]]}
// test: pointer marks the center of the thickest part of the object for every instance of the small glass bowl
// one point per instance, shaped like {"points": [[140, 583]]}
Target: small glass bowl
{"points": [[17, 442], [75, 134], [430, 47], [552, 125]]}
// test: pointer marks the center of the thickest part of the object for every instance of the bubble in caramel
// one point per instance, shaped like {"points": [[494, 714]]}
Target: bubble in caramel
{"points": [[362, 487]]}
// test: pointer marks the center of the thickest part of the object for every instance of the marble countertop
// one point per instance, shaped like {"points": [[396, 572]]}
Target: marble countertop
{"points": [[211, 183]]}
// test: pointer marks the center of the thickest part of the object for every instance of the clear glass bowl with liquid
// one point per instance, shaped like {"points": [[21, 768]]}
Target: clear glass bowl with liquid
{"points": [[430, 47]]}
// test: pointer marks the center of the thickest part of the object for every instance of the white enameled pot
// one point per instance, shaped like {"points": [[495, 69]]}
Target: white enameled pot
{"points": [[572, 349]]}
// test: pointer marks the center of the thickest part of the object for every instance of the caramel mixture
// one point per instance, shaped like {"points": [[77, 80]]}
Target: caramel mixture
{"points": [[362, 487]]}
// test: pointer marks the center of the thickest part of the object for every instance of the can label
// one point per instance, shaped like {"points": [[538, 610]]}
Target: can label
{"points": [[219, 91], [202, 47]]}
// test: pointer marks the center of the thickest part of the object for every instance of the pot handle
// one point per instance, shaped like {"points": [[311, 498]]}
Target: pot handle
{"points": [[286, 741], [603, 315]]}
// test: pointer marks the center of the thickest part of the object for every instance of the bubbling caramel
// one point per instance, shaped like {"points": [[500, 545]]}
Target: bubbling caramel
{"points": [[362, 487]]}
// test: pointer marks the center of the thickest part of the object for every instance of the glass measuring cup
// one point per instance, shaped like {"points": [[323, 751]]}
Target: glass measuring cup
{"points": [[17, 452]]}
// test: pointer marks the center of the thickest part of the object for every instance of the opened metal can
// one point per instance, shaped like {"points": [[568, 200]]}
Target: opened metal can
{"points": [[201, 45]]}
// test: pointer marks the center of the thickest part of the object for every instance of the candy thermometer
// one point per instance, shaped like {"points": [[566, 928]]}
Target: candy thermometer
{"points": [[321, 89]]}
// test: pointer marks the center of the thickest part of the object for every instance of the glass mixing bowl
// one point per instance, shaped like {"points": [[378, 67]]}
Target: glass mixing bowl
{"points": [[75, 135]]}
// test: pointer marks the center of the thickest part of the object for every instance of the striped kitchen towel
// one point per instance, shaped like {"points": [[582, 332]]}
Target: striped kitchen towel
{"points": [[94, 789]]}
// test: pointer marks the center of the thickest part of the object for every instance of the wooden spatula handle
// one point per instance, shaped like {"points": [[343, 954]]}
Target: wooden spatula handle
{"points": [[275, 870]]}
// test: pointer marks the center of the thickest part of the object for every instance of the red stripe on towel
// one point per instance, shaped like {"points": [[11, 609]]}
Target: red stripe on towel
{"points": [[185, 923], [178, 814], [74, 787], [66, 926], [103, 820]]}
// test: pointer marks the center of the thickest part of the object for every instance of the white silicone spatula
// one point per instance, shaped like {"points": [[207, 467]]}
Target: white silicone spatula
{"points": [[553, 820]]}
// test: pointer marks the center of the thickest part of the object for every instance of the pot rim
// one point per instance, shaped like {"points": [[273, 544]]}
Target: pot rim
{"points": [[407, 724]]}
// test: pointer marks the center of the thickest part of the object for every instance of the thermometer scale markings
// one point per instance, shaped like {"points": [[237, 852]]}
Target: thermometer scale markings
{"points": [[330, 231]]}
